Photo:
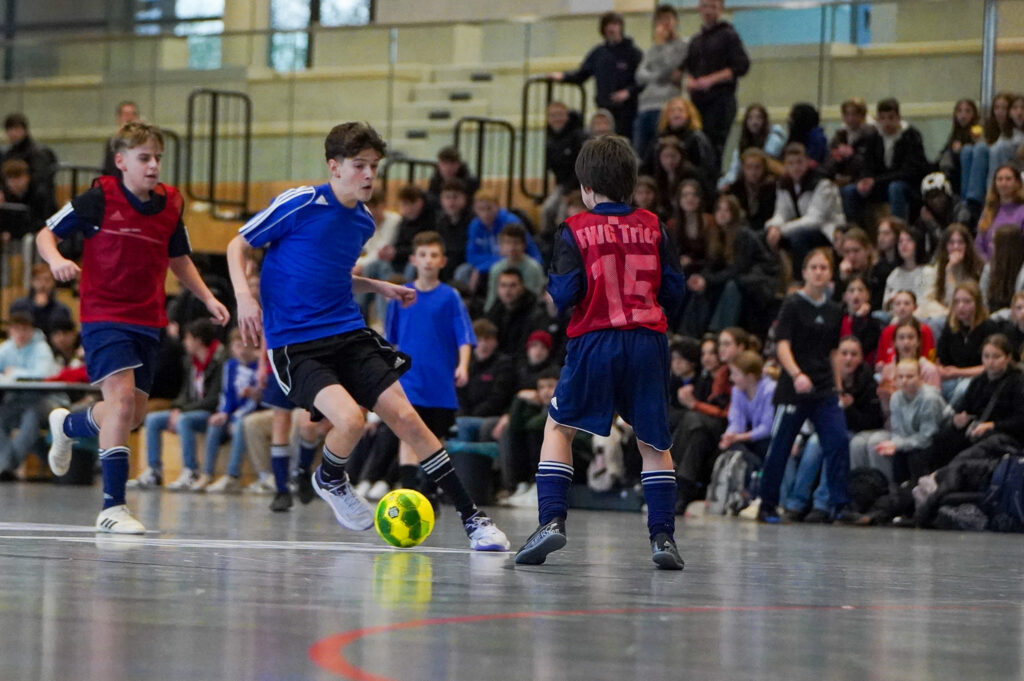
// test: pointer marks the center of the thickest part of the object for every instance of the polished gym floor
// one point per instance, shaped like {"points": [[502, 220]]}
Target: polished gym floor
{"points": [[224, 589]]}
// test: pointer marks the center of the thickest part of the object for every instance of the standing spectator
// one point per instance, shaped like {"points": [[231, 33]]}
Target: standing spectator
{"points": [[756, 132], [849, 146], [42, 162], [613, 65], [714, 61], [805, 128], [658, 75], [1004, 205], [894, 166], [807, 207], [41, 303], [127, 112], [450, 166]]}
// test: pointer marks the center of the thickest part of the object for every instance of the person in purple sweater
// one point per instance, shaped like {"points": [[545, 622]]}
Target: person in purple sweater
{"points": [[750, 409], [1004, 205]]}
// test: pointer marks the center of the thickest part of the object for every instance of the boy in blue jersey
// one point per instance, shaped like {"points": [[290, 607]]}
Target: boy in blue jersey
{"points": [[615, 265], [323, 355], [133, 233], [438, 337]]}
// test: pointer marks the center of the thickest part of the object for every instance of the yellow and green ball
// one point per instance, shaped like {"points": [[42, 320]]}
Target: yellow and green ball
{"points": [[404, 518]]}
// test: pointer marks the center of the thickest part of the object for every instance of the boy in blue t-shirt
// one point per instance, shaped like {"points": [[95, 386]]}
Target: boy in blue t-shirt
{"points": [[323, 355], [438, 336]]}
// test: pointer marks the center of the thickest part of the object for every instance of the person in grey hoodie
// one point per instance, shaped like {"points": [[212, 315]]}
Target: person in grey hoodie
{"points": [[659, 76]]}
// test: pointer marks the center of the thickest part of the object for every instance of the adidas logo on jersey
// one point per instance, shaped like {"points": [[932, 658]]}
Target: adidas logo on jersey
{"points": [[819, 320], [321, 201], [117, 216]]}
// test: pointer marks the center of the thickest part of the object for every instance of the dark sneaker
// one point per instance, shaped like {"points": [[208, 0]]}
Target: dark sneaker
{"points": [[768, 517], [792, 516], [282, 502], [545, 539], [818, 517], [847, 516], [664, 553], [304, 487]]}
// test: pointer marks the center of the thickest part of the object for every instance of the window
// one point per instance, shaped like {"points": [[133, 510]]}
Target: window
{"points": [[292, 20], [202, 21]]}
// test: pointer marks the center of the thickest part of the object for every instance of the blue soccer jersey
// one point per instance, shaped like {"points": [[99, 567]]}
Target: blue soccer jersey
{"points": [[430, 331], [312, 244]]}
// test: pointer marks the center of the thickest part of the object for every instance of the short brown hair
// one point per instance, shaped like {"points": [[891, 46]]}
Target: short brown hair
{"points": [[14, 168], [794, 149], [427, 238], [410, 193], [607, 165], [134, 134], [856, 104], [348, 139], [449, 155], [610, 18], [485, 328], [454, 185], [20, 318], [823, 251], [663, 9], [749, 362], [889, 105], [513, 231]]}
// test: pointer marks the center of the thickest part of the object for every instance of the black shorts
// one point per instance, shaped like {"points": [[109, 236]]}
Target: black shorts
{"points": [[438, 419], [360, 361]]}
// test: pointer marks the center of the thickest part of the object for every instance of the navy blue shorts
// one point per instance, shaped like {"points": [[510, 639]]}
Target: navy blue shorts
{"points": [[273, 396], [616, 372], [111, 347]]}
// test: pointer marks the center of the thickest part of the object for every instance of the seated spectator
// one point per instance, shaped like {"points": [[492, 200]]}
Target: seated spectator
{"points": [[18, 194], [512, 246], [903, 308], [917, 413], [1007, 149], [756, 133], [848, 148], [658, 75], [563, 138], [1003, 274], [417, 216], [645, 195], [858, 320], [42, 162], [939, 209], [750, 407], [893, 167], [601, 123], [1013, 328], [805, 128], [913, 274], [1004, 205], [684, 367], [807, 207], [238, 397], [376, 261], [66, 345], [190, 412], [966, 131], [737, 269], [755, 189], [690, 226], [888, 257], [987, 418], [450, 167], [25, 354], [482, 249], [956, 261], [671, 169], [42, 303], [858, 261], [453, 225], [907, 344], [520, 434], [515, 313], [975, 158], [681, 120], [695, 440], [487, 394], [958, 350]]}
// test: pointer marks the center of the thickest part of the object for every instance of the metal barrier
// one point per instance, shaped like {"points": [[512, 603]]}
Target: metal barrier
{"points": [[172, 151], [415, 169], [538, 93], [223, 120], [475, 139], [74, 175]]}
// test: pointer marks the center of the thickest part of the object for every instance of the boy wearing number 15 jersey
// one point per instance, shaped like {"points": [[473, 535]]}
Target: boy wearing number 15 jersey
{"points": [[616, 266]]}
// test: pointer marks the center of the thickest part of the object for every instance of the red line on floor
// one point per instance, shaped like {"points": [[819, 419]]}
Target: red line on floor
{"points": [[327, 652]]}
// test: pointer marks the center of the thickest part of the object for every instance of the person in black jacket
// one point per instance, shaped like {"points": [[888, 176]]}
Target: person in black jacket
{"points": [[715, 60], [755, 188], [563, 138], [417, 216], [850, 143], [613, 65], [894, 164], [490, 388], [453, 224], [514, 313], [42, 162], [450, 167]]}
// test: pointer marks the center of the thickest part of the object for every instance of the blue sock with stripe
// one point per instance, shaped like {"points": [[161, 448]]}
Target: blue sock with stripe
{"points": [[660, 495], [332, 467], [438, 467], [81, 424], [280, 458], [114, 465], [306, 452], [553, 482]]}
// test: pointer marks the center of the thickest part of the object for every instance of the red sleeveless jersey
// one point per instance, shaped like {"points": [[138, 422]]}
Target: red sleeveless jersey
{"points": [[124, 264], [622, 265]]}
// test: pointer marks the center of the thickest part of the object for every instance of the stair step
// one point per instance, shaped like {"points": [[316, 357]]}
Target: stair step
{"points": [[460, 96], [439, 114], [481, 77], [416, 134]]}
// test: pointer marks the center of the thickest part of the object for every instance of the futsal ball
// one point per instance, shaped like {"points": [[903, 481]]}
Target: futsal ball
{"points": [[404, 518]]}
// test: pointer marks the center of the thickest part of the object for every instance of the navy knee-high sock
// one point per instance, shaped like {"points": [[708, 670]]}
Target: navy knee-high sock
{"points": [[660, 495], [81, 424], [280, 457], [306, 452], [553, 482], [114, 466]]}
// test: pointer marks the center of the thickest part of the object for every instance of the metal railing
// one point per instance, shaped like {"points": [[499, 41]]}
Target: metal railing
{"points": [[414, 169], [488, 146], [219, 144], [538, 93]]}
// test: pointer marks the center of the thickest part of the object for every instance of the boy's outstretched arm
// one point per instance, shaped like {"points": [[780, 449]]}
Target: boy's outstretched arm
{"points": [[185, 270], [62, 268], [250, 316], [403, 294]]}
